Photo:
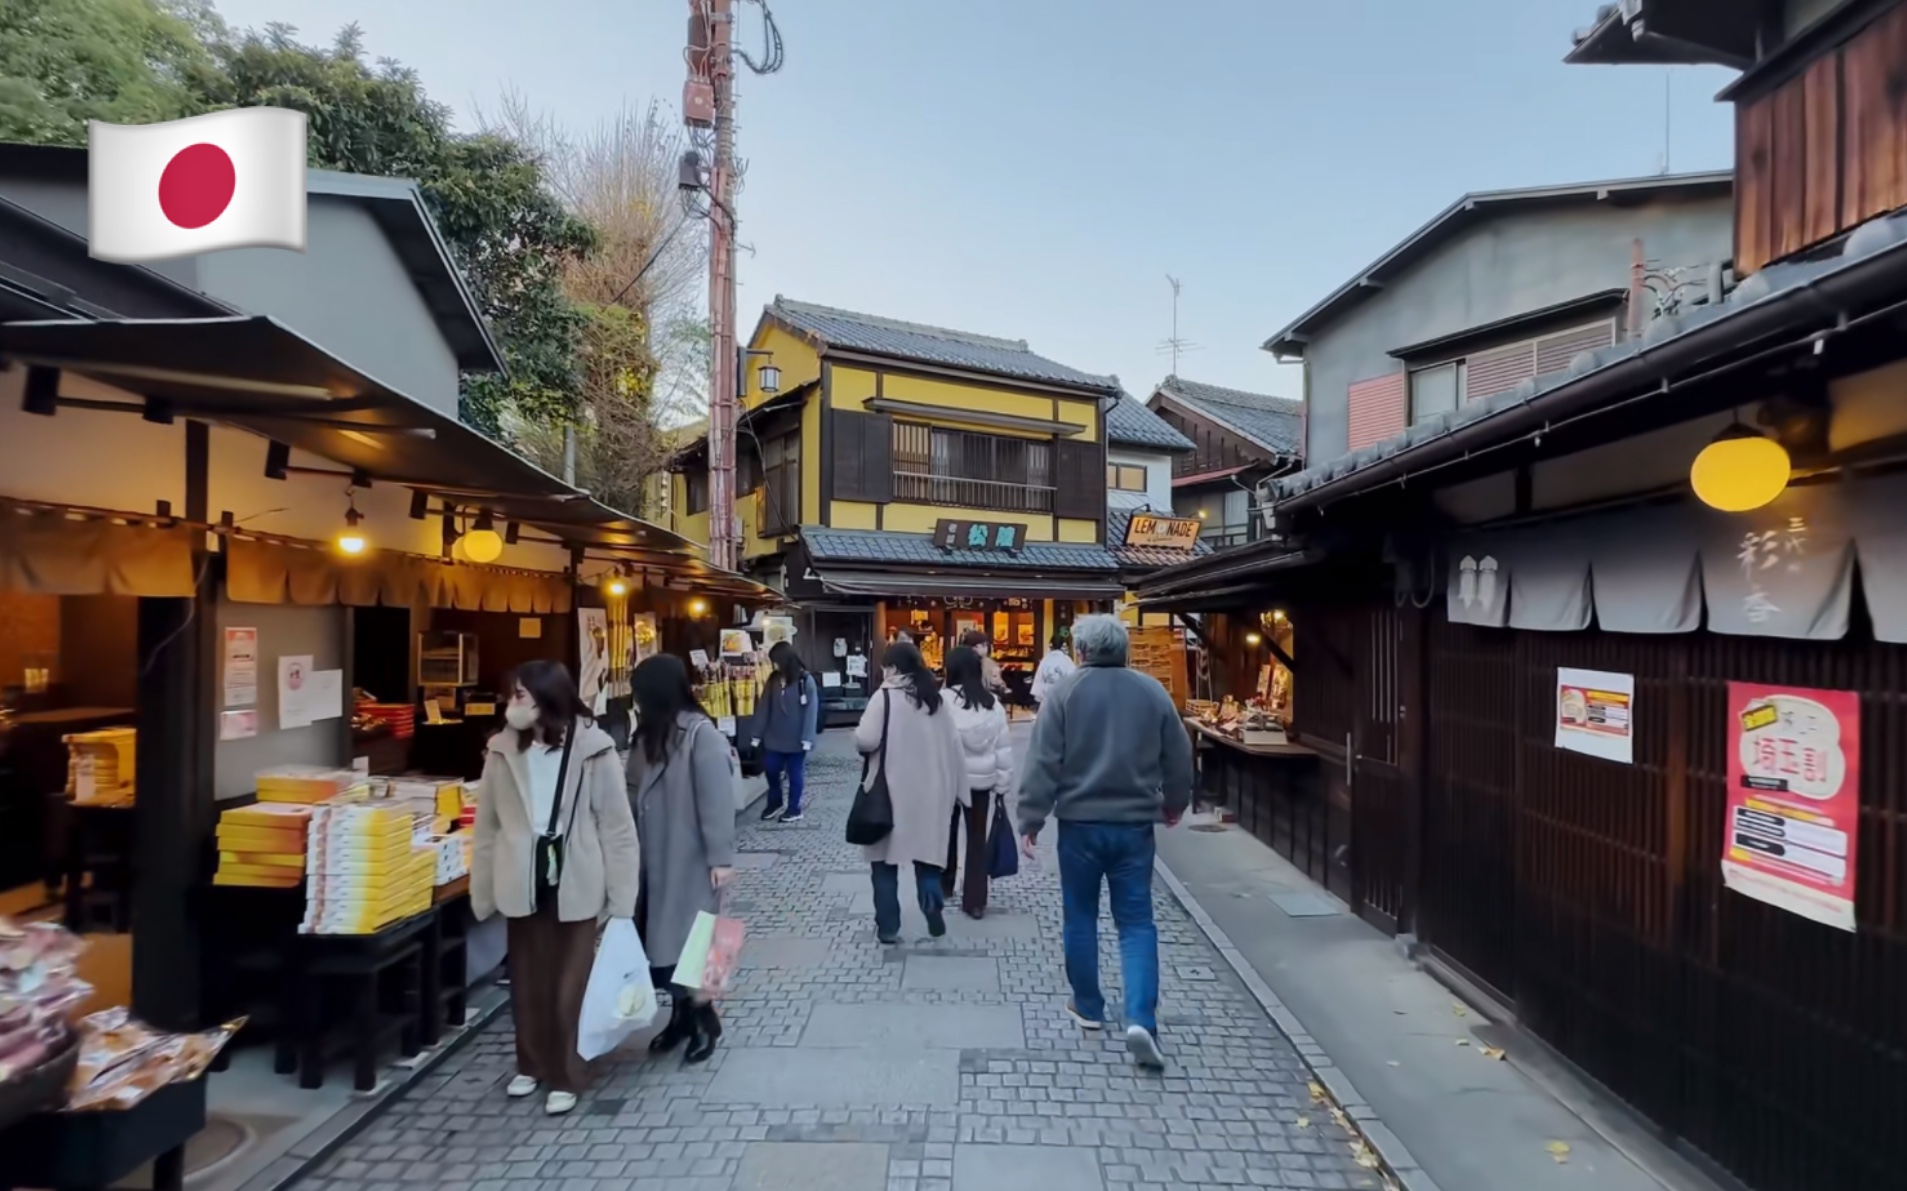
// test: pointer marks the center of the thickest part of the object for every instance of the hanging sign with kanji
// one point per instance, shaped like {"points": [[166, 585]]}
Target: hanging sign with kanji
{"points": [[1794, 799], [979, 535]]}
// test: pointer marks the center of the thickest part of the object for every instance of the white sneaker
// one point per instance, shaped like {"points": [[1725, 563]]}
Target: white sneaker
{"points": [[558, 1103], [1143, 1047], [520, 1087]]}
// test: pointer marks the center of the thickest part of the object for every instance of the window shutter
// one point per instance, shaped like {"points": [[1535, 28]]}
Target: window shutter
{"points": [[1501, 370], [1081, 480], [863, 457], [1379, 409], [1554, 352]]}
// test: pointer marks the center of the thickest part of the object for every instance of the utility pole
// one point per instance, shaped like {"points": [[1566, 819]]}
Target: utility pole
{"points": [[708, 103]]}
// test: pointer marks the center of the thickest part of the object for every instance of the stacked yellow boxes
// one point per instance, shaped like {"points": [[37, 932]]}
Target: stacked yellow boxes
{"points": [[365, 870], [308, 785], [100, 766], [263, 846]]}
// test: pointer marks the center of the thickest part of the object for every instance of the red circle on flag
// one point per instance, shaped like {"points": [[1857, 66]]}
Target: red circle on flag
{"points": [[197, 185]]}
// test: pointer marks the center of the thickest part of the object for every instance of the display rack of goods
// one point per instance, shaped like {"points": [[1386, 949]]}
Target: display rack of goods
{"points": [[123, 1061], [38, 992], [400, 718], [311, 784]]}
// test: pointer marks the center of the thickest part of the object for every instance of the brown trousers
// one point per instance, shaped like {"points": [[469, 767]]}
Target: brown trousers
{"points": [[549, 971], [973, 891]]}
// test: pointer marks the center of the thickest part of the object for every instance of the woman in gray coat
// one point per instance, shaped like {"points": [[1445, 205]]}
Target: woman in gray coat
{"points": [[683, 790]]}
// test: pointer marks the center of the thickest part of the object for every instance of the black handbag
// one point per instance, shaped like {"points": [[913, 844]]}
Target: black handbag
{"points": [[871, 818], [1003, 854]]}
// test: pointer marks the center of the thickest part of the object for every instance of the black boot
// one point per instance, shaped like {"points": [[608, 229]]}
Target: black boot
{"points": [[704, 1028], [678, 1027]]}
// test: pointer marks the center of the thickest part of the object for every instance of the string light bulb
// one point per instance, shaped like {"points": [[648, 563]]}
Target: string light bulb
{"points": [[351, 539], [616, 586]]}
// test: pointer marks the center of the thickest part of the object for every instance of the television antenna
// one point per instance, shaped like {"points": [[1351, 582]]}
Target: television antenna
{"points": [[1175, 346]]}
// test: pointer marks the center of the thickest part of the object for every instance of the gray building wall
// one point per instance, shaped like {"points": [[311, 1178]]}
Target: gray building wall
{"points": [[348, 292], [1519, 262]]}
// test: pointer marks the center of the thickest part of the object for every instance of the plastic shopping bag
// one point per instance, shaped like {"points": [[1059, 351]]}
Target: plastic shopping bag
{"points": [[708, 959], [620, 998]]}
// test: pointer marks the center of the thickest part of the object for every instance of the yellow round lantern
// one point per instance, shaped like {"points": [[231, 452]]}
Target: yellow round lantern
{"points": [[1740, 471], [482, 545]]}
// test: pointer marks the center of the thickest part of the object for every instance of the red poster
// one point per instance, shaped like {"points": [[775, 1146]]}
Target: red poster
{"points": [[1794, 799]]}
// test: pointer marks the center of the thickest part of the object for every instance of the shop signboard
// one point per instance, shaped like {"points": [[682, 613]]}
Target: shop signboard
{"points": [[1595, 713], [979, 535], [1163, 533], [1794, 799]]}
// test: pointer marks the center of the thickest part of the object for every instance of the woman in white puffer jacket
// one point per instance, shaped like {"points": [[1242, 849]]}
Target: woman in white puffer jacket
{"points": [[985, 746]]}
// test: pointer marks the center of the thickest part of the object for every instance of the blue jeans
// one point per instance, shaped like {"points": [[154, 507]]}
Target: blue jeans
{"points": [[887, 895], [1121, 855], [795, 765]]}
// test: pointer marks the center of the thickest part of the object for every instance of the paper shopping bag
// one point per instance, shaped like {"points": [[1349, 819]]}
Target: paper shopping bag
{"points": [[620, 998], [708, 959]]}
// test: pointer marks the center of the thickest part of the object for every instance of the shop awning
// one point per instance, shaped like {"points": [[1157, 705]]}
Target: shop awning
{"points": [[254, 373], [849, 581]]}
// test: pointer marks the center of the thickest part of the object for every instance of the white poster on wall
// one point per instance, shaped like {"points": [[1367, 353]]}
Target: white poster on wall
{"points": [[294, 691], [241, 667], [1595, 713], [326, 701]]}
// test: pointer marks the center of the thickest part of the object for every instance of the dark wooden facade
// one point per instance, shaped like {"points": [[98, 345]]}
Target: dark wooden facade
{"points": [[1824, 149], [1214, 447]]}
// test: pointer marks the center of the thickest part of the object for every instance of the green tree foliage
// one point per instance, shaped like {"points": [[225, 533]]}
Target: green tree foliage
{"points": [[64, 62]]}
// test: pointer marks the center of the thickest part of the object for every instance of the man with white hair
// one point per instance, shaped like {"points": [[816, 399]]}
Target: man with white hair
{"points": [[1109, 759]]}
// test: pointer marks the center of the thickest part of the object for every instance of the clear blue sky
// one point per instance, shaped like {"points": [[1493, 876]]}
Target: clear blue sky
{"points": [[1034, 168]]}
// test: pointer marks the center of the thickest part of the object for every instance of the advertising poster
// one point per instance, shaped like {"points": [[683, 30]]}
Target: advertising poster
{"points": [[1594, 713], [1794, 799], [241, 667], [592, 639], [294, 692], [736, 643]]}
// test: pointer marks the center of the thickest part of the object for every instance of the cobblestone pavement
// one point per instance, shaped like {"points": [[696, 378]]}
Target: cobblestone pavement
{"points": [[939, 1065]]}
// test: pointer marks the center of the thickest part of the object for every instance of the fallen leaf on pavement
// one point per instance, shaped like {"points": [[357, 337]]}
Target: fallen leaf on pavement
{"points": [[1304, 1122], [1460, 1011], [1463, 1042], [1364, 1157], [1493, 1052], [1317, 1092], [1558, 1150]]}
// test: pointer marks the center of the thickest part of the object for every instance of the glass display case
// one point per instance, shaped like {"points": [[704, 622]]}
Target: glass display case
{"points": [[446, 659]]}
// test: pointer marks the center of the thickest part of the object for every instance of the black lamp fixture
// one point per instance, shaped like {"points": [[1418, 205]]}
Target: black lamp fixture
{"points": [[420, 504], [42, 392], [277, 460]]}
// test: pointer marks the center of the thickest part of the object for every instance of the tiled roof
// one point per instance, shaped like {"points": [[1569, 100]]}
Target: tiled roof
{"points": [[1130, 424], [931, 345], [861, 545], [1885, 235], [1144, 556], [1274, 423]]}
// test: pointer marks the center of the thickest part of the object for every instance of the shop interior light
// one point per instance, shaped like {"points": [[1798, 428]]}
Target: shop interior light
{"points": [[698, 606], [483, 543], [1278, 614], [1742, 470], [351, 538], [1252, 638], [615, 586]]}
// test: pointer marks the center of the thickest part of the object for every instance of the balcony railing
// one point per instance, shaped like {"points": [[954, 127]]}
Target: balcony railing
{"points": [[925, 489]]}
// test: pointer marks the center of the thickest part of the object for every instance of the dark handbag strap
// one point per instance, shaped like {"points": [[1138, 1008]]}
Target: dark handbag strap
{"points": [[887, 716], [562, 777]]}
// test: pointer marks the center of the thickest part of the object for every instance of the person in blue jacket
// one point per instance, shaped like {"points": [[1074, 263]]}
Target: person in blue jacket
{"points": [[784, 727]]}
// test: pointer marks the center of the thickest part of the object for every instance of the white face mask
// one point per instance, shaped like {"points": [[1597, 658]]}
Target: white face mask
{"points": [[521, 716]]}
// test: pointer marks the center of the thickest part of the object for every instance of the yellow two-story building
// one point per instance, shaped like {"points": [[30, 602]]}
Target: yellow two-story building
{"points": [[903, 477]]}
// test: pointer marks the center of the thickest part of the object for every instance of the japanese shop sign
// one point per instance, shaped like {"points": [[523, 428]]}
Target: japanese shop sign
{"points": [[1168, 533], [978, 535], [1594, 713], [1794, 799]]}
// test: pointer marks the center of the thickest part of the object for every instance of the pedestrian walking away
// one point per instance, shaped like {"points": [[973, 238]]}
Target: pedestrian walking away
{"points": [[784, 727], [1053, 669], [682, 786], [1109, 759], [555, 852], [907, 733], [987, 754]]}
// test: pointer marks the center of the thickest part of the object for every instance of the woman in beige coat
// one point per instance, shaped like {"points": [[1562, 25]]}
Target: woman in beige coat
{"points": [[556, 853], [908, 723]]}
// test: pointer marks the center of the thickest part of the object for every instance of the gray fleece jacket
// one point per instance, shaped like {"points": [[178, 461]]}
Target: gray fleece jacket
{"points": [[1109, 747]]}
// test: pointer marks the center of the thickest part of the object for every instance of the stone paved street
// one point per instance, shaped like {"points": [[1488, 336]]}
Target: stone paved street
{"points": [[943, 1065]]}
